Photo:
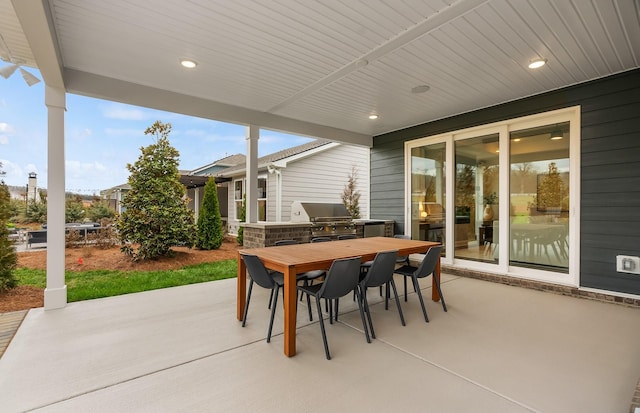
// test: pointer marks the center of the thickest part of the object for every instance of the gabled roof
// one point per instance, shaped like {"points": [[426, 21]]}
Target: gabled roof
{"points": [[307, 148], [227, 161]]}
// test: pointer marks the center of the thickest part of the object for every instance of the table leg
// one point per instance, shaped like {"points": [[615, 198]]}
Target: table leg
{"points": [[290, 295], [242, 287], [434, 290]]}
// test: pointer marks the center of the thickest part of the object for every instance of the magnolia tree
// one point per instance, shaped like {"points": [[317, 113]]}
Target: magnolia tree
{"points": [[156, 213]]}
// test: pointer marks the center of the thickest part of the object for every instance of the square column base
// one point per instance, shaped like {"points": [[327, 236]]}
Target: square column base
{"points": [[55, 298]]}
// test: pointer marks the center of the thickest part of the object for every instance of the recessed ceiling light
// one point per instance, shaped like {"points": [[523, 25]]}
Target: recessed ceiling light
{"points": [[188, 63], [373, 116], [516, 140], [536, 63], [420, 89]]}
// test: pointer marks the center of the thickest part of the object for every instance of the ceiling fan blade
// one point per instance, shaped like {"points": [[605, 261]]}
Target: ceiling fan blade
{"points": [[8, 71], [29, 78]]}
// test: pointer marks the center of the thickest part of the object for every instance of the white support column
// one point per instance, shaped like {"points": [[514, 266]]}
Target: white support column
{"points": [[253, 134], [196, 203], [55, 295]]}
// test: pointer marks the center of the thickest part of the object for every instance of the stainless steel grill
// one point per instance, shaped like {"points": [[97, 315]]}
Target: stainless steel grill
{"points": [[327, 220]]}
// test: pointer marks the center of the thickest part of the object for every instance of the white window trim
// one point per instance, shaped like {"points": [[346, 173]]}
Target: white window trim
{"points": [[503, 128], [244, 188]]}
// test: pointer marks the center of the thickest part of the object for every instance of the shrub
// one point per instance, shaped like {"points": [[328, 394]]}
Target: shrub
{"points": [[157, 215], [243, 218], [8, 257], [99, 210], [210, 232]]}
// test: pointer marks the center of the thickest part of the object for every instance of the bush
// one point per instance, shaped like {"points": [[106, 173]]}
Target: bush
{"points": [[243, 218], [36, 212], [99, 210], [210, 232], [157, 215], [8, 257]]}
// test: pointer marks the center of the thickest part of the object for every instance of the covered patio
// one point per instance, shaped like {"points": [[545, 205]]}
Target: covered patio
{"points": [[497, 349]]}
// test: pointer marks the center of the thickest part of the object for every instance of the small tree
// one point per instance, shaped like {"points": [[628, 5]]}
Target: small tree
{"points": [[8, 257], [36, 211], [210, 232], [243, 218], [350, 195], [156, 215], [74, 210], [100, 210]]}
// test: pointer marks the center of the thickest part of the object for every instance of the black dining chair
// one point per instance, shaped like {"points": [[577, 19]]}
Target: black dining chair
{"points": [[341, 279], [380, 274], [401, 259], [320, 239], [425, 269], [308, 277], [347, 236], [259, 274]]}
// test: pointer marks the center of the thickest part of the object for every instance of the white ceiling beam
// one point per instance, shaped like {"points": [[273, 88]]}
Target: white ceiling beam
{"points": [[37, 24], [101, 87]]}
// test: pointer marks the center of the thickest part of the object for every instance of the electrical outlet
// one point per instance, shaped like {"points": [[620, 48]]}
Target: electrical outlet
{"points": [[626, 263]]}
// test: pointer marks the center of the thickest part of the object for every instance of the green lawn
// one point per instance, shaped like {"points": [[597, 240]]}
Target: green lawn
{"points": [[87, 285]]}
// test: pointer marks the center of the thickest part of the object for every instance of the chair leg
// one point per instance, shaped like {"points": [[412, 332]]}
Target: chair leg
{"points": [[274, 294], [246, 305], [416, 286], [395, 294], [405, 288], [363, 293], [337, 302], [444, 305], [364, 323], [324, 334]]}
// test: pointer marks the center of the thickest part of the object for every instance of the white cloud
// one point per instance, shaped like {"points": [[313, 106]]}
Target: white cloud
{"points": [[123, 112], [6, 128], [123, 132]]}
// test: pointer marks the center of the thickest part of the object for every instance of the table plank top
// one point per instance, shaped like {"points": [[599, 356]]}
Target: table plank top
{"points": [[321, 253]]}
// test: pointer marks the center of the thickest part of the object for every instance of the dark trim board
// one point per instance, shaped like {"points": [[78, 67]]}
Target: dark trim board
{"points": [[610, 169]]}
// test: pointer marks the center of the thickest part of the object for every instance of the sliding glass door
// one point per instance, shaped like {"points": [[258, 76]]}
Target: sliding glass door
{"points": [[511, 200], [428, 192]]}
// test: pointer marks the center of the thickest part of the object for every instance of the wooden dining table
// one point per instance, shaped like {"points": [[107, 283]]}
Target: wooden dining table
{"points": [[294, 259]]}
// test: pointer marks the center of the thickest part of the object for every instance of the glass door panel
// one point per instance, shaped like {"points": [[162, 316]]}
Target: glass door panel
{"points": [[476, 197], [539, 198], [428, 189]]}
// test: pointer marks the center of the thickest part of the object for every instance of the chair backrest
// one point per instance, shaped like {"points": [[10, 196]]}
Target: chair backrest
{"points": [[320, 239], [257, 271], [430, 261], [381, 269], [347, 236], [285, 242], [402, 236], [341, 279]]}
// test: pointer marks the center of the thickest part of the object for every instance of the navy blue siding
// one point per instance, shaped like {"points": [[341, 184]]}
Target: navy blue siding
{"points": [[610, 175]]}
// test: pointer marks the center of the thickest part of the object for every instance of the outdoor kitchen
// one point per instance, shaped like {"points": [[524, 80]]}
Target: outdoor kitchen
{"points": [[314, 219]]}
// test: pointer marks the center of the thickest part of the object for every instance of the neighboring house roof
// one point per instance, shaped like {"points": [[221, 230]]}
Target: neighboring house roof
{"points": [[215, 166], [304, 149]]}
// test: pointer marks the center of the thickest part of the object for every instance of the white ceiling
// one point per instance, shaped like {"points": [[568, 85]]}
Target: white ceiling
{"points": [[321, 67]]}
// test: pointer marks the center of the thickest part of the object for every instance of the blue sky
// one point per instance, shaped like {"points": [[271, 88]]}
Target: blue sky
{"points": [[102, 137]]}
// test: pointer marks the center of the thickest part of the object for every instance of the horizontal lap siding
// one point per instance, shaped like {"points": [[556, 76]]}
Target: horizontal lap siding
{"points": [[323, 177], [610, 169], [610, 187]]}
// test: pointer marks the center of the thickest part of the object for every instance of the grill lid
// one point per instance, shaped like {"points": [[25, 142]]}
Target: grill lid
{"points": [[318, 212]]}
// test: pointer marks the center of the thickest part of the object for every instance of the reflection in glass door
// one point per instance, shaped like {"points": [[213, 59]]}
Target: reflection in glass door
{"points": [[476, 197], [428, 189], [539, 198]]}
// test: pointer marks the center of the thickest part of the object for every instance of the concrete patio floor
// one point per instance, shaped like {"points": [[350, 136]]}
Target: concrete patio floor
{"points": [[498, 349]]}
